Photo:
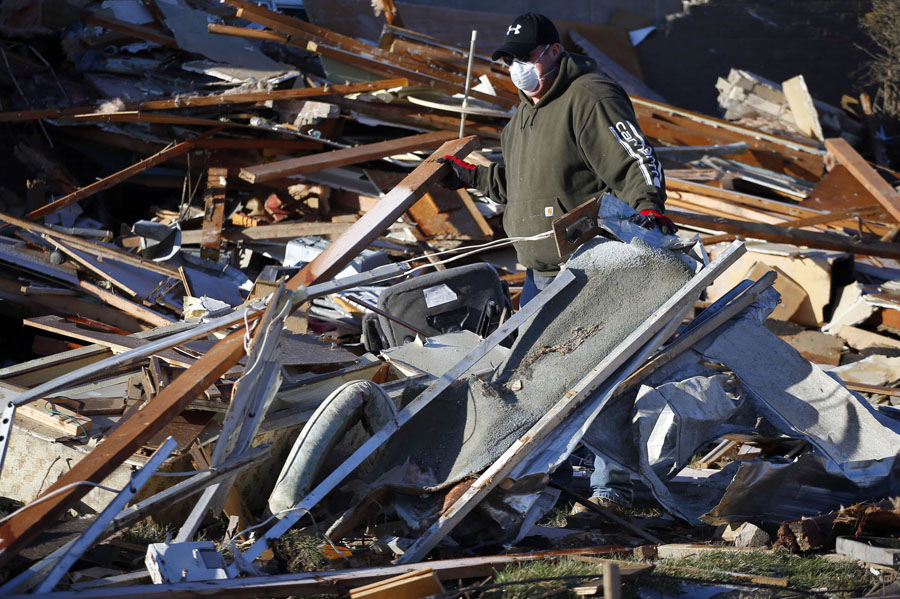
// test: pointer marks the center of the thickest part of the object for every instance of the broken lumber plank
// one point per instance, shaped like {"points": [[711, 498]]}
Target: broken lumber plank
{"points": [[374, 222], [66, 423], [786, 234], [120, 445], [802, 107], [117, 343], [133, 116], [245, 32], [347, 49], [411, 585], [606, 514], [41, 370], [88, 246], [223, 99], [324, 160], [627, 355], [140, 32], [834, 218], [879, 389], [306, 583], [736, 197], [136, 310], [479, 219], [681, 127], [214, 213], [283, 231], [886, 195], [415, 117], [114, 179]]}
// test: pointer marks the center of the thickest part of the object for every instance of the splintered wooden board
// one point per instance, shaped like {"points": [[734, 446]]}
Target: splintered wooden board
{"points": [[118, 343], [884, 193], [587, 212], [325, 160], [374, 222]]}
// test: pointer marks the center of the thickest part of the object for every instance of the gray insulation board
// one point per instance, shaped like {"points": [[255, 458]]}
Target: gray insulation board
{"points": [[798, 393], [470, 425]]}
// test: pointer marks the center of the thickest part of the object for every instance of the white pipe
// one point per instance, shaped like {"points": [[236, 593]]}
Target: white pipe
{"points": [[465, 102]]}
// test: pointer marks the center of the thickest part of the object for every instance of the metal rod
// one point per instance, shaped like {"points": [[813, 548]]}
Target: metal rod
{"points": [[100, 522], [465, 102], [381, 312]]}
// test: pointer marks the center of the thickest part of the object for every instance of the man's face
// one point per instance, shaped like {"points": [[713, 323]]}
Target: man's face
{"points": [[545, 59]]}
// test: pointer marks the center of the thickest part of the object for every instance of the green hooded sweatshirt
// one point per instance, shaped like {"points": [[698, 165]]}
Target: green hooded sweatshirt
{"points": [[579, 141]]}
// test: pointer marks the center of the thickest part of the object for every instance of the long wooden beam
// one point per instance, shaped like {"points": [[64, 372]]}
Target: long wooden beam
{"points": [[213, 100], [883, 191], [737, 197], [316, 162], [787, 234], [683, 127], [120, 445], [114, 179], [834, 218], [388, 209], [417, 117], [95, 249], [301, 33], [141, 32]]}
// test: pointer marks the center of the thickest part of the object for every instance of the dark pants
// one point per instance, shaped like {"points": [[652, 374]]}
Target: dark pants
{"points": [[608, 480]]}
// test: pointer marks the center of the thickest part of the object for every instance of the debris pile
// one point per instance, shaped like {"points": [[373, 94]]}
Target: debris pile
{"points": [[243, 309]]}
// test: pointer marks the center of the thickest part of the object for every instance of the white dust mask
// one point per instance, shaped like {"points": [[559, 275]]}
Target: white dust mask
{"points": [[524, 75]]}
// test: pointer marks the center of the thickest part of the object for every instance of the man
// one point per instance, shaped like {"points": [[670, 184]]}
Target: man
{"points": [[574, 137]]}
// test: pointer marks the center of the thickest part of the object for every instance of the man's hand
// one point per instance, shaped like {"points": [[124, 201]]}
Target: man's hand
{"points": [[462, 173], [653, 219]]}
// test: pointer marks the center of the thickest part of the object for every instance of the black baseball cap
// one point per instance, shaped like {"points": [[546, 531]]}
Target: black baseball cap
{"points": [[526, 33]]}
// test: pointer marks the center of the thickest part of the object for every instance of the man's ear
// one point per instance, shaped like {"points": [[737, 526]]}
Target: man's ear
{"points": [[556, 50]]}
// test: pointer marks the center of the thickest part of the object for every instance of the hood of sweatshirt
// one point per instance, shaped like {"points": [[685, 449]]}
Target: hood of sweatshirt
{"points": [[571, 67]]}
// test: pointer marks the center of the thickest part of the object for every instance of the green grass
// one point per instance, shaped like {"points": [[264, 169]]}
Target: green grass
{"points": [[811, 573], [804, 572], [541, 569]]}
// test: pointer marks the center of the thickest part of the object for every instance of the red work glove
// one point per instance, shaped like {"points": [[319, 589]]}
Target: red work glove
{"points": [[462, 173], [657, 220]]}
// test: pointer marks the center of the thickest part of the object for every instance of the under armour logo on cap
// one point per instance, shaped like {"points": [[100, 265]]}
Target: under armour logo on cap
{"points": [[524, 34]]}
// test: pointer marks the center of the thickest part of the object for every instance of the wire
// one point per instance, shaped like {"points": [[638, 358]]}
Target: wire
{"points": [[488, 245], [50, 410], [469, 250], [57, 492]]}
